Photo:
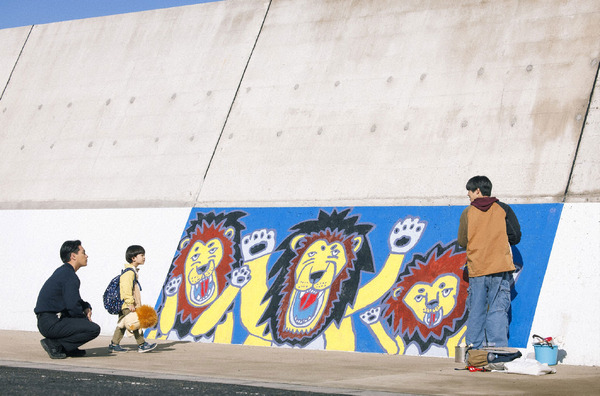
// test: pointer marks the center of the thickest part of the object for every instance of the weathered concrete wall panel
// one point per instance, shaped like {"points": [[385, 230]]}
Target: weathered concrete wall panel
{"points": [[400, 102], [123, 110], [11, 43], [585, 181]]}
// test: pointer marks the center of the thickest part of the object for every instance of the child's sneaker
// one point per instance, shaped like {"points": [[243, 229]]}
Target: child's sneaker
{"points": [[145, 347], [116, 348]]}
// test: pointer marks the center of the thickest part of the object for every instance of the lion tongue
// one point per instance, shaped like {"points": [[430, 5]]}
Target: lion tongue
{"points": [[204, 287], [307, 300], [430, 319]]}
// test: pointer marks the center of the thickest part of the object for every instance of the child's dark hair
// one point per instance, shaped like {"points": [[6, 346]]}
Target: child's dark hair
{"points": [[482, 183], [67, 248], [133, 251]]}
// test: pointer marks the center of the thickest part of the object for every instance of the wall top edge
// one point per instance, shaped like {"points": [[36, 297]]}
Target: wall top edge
{"points": [[136, 204]]}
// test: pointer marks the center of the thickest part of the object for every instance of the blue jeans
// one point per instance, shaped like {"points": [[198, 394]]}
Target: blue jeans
{"points": [[488, 303]]}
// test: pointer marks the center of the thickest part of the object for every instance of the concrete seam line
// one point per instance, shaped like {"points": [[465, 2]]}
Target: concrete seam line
{"points": [[581, 133], [235, 95], [16, 62]]}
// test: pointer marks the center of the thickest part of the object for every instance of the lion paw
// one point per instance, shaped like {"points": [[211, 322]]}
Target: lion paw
{"points": [[240, 276], [172, 286], [371, 316], [405, 234], [258, 244]]}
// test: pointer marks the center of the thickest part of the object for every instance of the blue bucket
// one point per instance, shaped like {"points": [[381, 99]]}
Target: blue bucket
{"points": [[546, 354]]}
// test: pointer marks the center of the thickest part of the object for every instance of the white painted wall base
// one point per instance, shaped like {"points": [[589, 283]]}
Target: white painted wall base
{"points": [[569, 303], [30, 242]]}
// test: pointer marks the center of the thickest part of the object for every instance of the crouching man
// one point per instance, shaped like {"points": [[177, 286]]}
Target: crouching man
{"points": [[62, 316]]}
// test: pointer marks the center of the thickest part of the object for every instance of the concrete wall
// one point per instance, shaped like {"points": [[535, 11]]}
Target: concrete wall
{"points": [[247, 103], [11, 42], [394, 102], [399, 102], [585, 181], [124, 110]]}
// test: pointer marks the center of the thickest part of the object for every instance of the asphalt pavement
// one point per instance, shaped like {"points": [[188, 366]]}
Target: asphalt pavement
{"points": [[222, 369]]}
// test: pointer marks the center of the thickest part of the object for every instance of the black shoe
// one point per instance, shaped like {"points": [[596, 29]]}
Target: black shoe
{"points": [[54, 351], [76, 353]]}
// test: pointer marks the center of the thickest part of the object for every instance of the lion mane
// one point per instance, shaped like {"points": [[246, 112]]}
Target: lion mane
{"points": [[337, 226], [204, 227], [401, 320]]}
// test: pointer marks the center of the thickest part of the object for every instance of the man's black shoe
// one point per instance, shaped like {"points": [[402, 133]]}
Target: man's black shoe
{"points": [[76, 353], [55, 352]]}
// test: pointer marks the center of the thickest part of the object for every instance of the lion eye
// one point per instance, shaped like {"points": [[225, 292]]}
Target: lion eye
{"points": [[311, 254], [335, 252], [446, 292], [418, 298], [195, 257], [212, 251]]}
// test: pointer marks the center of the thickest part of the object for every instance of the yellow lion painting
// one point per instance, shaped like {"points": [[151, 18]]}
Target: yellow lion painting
{"points": [[205, 277], [426, 307], [317, 280]]}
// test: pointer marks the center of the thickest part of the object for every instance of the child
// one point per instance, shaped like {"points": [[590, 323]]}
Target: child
{"points": [[130, 293]]}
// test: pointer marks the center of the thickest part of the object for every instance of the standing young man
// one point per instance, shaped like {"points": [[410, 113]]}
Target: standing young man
{"points": [[62, 316], [487, 229]]}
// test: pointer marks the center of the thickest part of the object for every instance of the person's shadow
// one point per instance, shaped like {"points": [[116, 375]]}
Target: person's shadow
{"points": [[518, 262], [103, 351], [562, 354]]}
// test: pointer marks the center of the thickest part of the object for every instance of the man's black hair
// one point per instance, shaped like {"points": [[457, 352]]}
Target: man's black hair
{"points": [[133, 251], [67, 248], [482, 183]]}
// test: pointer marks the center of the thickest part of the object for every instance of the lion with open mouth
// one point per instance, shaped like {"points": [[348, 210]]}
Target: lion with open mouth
{"points": [[205, 277], [317, 278], [426, 307], [322, 265]]}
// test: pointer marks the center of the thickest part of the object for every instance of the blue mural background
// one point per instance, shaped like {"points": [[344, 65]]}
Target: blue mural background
{"points": [[538, 224]]}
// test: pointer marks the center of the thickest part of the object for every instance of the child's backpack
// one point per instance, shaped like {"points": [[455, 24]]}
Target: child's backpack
{"points": [[112, 295]]}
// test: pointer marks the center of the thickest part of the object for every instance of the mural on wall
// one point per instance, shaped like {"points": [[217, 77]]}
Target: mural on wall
{"points": [[369, 279], [204, 279], [317, 288], [427, 305]]}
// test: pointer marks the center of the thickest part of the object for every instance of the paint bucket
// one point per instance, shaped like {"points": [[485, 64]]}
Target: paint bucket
{"points": [[546, 354], [460, 353]]}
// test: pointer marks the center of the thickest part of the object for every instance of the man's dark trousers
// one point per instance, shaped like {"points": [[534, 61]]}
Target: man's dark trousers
{"points": [[68, 332]]}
